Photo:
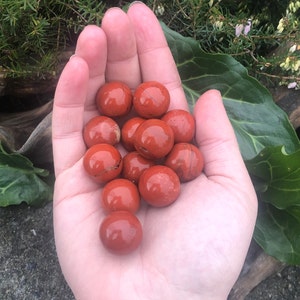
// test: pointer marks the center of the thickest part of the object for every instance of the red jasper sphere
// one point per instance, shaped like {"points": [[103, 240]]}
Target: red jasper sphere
{"points": [[120, 194], [114, 99], [151, 99], [182, 123], [121, 232], [101, 129], [154, 139], [186, 160], [159, 186], [103, 162], [134, 164], [128, 130]]}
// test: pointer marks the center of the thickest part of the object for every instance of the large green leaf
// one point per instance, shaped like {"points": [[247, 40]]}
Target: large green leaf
{"points": [[277, 175], [21, 182], [277, 232], [258, 122], [262, 130]]}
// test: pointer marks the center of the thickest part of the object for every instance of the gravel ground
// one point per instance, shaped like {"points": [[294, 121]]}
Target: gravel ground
{"points": [[29, 268], [284, 285]]}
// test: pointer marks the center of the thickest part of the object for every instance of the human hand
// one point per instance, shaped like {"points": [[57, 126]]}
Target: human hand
{"points": [[192, 249]]}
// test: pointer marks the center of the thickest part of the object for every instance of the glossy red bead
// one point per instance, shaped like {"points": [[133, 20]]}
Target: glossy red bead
{"points": [[128, 130], [186, 160], [154, 139], [182, 123], [121, 232], [101, 129], [103, 162], [151, 99], [114, 99], [134, 164], [120, 194], [159, 186]]}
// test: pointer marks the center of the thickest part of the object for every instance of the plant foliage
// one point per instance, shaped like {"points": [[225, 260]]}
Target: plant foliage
{"points": [[267, 42], [21, 182], [268, 142], [33, 32]]}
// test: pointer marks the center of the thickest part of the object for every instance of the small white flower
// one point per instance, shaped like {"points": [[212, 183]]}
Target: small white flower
{"points": [[296, 66], [292, 7], [293, 48], [238, 29], [218, 25], [280, 26], [292, 85], [247, 27], [159, 11]]}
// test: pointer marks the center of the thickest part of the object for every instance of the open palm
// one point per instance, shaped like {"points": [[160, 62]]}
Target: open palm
{"points": [[192, 249]]}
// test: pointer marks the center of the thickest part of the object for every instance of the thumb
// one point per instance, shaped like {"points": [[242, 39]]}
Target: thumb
{"points": [[67, 117], [216, 139]]}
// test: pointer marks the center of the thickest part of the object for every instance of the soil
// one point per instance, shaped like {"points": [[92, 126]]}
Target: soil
{"points": [[29, 268], [284, 285]]}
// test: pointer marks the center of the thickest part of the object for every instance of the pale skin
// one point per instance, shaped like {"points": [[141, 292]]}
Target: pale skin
{"points": [[192, 249]]}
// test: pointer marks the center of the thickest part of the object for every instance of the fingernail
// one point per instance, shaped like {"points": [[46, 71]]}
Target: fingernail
{"points": [[113, 8], [136, 2], [72, 56]]}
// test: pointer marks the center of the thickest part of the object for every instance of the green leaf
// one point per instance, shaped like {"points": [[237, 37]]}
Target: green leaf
{"points": [[21, 182], [258, 122], [262, 130], [279, 176], [277, 232]]}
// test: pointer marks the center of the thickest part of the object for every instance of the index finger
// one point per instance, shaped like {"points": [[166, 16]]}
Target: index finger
{"points": [[92, 47], [156, 60]]}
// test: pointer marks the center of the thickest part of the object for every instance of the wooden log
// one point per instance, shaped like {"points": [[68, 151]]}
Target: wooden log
{"points": [[257, 267], [29, 133], [289, 101]]}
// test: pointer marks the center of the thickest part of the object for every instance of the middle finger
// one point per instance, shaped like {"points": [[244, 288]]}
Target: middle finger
{"points": [[122, 58]]}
